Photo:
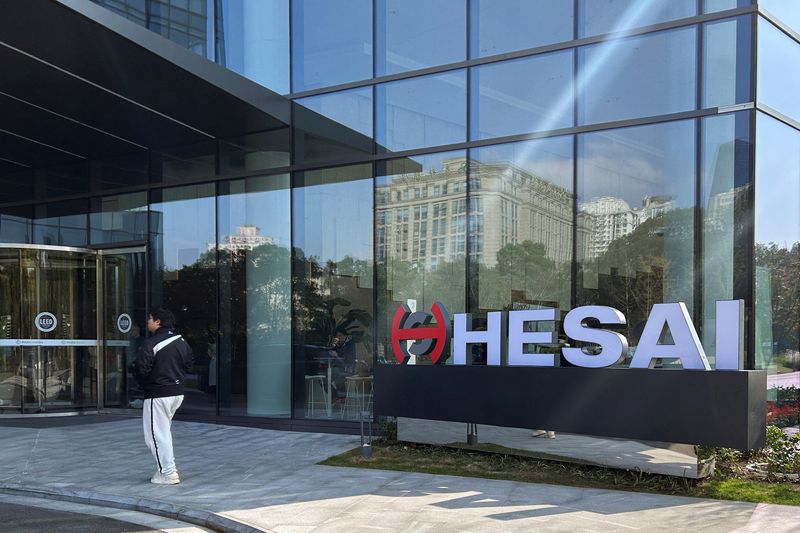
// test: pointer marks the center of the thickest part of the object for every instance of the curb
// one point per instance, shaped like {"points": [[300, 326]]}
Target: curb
{"points": [[197, 517]]}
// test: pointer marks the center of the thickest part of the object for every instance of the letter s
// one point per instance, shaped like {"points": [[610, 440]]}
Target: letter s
{"points": [[613, 346]]}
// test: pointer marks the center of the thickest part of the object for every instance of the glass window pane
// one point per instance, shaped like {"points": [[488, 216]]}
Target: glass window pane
{"points": [[254, 248], [352, 108], [331, 42], [522, 95], [183, 273], [726, 62], [133, 10], [636, 197], [333, 292], [778, 70], [179, 24], [787, 11], [710, 6], [421, 238], [521, 202], [16, 224], [726, 189], [500, 26], [119, 218], [637, 77], [777, 248], [420, 112], [253, 40], [333, 126], [61, 224], [416, 34], [607, 16]]}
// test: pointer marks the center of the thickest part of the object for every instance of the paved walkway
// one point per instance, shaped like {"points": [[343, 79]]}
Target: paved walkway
{"points": [[253, 479], [23, 514], [679, 460]]}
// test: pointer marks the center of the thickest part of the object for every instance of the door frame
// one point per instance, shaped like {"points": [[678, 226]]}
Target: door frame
{"points": [[101, 308]]}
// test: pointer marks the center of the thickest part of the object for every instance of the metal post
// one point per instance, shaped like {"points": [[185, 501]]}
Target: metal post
{"points": [[366, 445], [472, 434]]}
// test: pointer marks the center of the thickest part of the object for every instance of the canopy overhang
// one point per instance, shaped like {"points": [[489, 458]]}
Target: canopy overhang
{"points": [[79, 82]]}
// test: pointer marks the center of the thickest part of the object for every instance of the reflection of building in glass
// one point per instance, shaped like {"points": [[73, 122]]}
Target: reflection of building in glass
{"points": [[180, 22], [422, 217], [247, 237], [612, 218]]}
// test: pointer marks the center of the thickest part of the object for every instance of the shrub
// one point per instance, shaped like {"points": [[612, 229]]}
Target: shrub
{"points": [[782, 452], [781, 455]]}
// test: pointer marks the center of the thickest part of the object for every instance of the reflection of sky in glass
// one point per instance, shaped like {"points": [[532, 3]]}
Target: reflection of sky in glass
{"points": [[334, 220], [425, 111], [787, 11], [331, 42], [500, 26], [519, 96], [187, 225], [422, 164], [241, 209], [778, 70], [650, 75], [596, 17], [632, 163], [255, 37], [351, 108], [415, 34], [550, 159], [595, 65], [777, 183], [726, 62]]}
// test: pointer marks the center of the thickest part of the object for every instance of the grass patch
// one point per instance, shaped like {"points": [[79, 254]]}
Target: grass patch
{"points": [[429, 459]]}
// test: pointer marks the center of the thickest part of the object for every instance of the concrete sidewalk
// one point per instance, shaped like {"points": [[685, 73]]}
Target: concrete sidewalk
{"points": [[245, 479]]}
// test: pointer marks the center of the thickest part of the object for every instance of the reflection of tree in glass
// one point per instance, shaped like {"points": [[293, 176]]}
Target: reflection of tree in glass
{"points": [[652, 264], [524, 274], [783, 266], [254, 284], [331, 302], [190, 293]]}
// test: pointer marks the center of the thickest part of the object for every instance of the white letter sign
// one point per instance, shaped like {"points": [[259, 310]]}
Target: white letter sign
{"points": [[686, 347], [613, 346]]}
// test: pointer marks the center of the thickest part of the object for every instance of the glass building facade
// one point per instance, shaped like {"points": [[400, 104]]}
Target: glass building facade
{"points": [[492, 155]]}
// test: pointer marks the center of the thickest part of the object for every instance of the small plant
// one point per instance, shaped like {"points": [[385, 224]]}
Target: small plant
{"points": [[782, 452], [780, 456], [389, 429], [784, 411]]}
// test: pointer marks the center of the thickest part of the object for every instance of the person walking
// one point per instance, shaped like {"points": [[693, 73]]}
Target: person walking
{"points": [[160, 367]]}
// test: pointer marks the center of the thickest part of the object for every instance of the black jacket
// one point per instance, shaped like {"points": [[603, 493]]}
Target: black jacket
{"points": [[161, 365]]}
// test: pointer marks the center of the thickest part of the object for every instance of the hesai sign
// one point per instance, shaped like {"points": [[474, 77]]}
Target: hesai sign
{"points": [[506, 338], [518, 387]]}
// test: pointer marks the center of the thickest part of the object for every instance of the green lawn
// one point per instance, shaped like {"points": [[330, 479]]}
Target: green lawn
{"points": [[471, 463]]}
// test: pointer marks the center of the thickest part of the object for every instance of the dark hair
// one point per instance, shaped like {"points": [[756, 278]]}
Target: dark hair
{"points": [[164, 315]]}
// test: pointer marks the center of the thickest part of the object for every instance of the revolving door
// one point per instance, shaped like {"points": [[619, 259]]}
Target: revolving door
{"points": [[69, 321]]}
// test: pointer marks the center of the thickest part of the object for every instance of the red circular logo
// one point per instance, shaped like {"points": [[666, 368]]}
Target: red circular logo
{"points": [[428, 340]]}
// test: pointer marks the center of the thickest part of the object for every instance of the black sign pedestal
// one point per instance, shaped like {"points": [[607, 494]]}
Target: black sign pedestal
{"points": [[711, 408]]}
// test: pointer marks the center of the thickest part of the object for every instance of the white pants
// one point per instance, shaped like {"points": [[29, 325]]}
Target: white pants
{"points": [[157, 416]]}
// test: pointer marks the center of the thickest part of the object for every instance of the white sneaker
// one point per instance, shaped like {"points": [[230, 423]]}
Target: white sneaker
{"points": [[551, 434], [165, 479], [538, 433]]}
